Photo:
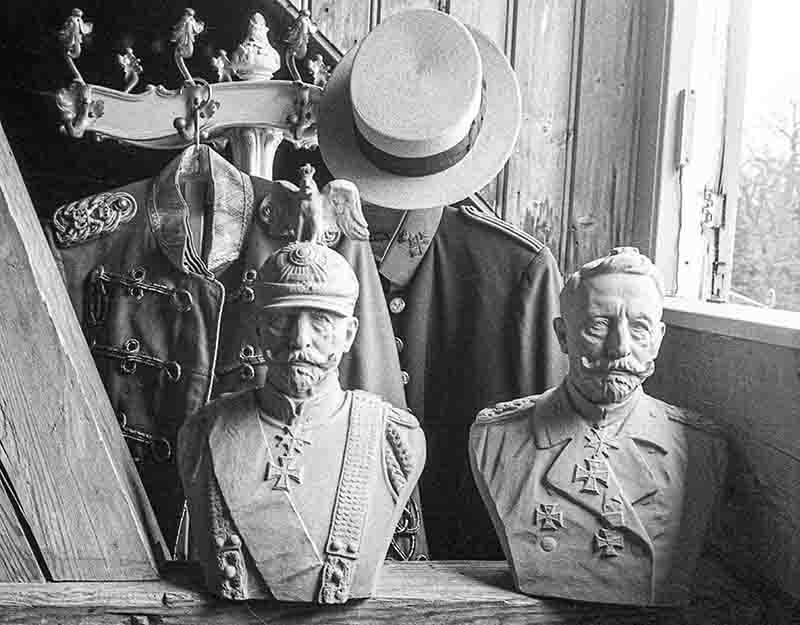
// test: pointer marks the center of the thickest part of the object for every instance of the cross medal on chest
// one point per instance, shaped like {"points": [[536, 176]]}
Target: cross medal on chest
{"points": [[291, 442], [595, 470]]}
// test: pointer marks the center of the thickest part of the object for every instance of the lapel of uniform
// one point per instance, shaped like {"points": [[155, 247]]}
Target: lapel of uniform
{"points": [[409, 244], [274, 534], [622, 479]]}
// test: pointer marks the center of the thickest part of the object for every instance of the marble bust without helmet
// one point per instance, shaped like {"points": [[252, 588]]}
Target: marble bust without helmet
{"points": [[597, 491], [294, 489]]}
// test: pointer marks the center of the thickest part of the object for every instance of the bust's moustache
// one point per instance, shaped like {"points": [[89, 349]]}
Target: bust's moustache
{"points": [[300, 358], [627, 365]]}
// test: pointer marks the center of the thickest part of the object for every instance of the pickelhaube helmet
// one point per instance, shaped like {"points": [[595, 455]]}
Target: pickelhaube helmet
{"points": [[307, 275]]}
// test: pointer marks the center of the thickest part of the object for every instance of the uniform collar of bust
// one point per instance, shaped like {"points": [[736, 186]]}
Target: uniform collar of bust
{"points": [[291, 410], [602, 415], [231, 196], [556, 418]]}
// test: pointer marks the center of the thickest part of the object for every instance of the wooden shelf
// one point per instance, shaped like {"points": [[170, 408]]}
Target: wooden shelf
{"points": [[429, 593]]}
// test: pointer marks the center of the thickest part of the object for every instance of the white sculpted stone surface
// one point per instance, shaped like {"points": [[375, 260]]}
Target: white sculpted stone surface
{"points": [[295, 489], [597, 491]]}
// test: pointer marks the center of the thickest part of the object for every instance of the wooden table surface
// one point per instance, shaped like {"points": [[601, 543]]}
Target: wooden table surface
{"points": [[424, 593]]}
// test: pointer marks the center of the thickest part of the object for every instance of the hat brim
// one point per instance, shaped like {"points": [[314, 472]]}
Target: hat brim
{"points": [[495, 142]]}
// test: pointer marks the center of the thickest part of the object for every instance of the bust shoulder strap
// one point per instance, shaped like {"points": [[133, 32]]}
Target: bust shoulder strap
{"points": [[691, 419], [506, 410]]}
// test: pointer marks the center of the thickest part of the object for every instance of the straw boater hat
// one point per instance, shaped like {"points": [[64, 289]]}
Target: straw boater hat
{"points": [[423, 112]]}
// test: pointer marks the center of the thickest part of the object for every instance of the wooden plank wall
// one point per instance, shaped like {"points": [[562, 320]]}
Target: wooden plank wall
{"points": [[65, 468], [752, 389], [570, 181], [18, 563]]}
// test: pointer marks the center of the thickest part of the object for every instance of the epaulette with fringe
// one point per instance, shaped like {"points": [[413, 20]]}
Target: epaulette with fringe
{"points": [[491, 220], [505, 410], [398, 454]]}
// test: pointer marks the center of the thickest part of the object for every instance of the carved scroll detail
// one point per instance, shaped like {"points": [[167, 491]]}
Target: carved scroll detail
{"points": [[78, 110]]}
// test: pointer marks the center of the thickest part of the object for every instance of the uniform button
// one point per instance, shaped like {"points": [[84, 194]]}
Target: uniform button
{"points": [[352, 547], [229, 571], [235, 540], [397, 305], [337, 544], [404, 377], [548, 543], [399, 343]]}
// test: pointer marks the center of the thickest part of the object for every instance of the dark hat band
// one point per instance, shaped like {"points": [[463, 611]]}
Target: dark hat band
{"points": [[424, 165]]}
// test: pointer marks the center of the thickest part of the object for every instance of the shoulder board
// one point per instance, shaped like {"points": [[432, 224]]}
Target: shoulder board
{"points": [[401, 417], [505, 410], [92, 217], [491, 220], [691, 418]]}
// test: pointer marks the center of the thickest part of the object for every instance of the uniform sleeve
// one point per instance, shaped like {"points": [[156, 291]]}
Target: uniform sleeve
{"points": [[373, 364], [540, 362]]}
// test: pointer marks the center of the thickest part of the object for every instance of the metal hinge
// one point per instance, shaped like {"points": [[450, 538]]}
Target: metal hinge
{"points": [[713, 218], [713, 208]]}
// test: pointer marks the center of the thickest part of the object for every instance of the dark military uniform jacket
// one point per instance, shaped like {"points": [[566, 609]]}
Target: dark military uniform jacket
{"points": [[472, 300], [596, 506], [297, 500], [170, 325]]}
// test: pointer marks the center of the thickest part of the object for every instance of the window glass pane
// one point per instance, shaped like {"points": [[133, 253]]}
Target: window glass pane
{"points": [[766, 266]]}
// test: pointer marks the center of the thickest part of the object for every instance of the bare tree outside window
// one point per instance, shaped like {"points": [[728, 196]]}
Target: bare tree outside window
{"points": [[766, 268]]}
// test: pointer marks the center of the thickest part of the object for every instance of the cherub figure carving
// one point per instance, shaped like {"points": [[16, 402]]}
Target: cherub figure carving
{"points": [[320, 72], [185, 32], [223, 66], [183, 35], [255, 58], [307, 214], [132, 67], [72, 33], [297, 41]]}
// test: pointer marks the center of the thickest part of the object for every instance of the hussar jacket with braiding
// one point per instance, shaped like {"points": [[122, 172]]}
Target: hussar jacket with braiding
{"points": [[170, 325]]}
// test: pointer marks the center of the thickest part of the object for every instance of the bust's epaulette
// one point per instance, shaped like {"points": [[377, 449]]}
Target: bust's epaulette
{"points": [[401, 417], [399, 458], [505, 410], [692, 419], [489, 219], [92, 217]]}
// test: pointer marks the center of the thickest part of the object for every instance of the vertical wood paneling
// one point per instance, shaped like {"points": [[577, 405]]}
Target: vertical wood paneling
{"points": [[491, 18], [571, 180], [541, 52], [344, 23], [387, 7], [608, 95], [494, 19]]}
